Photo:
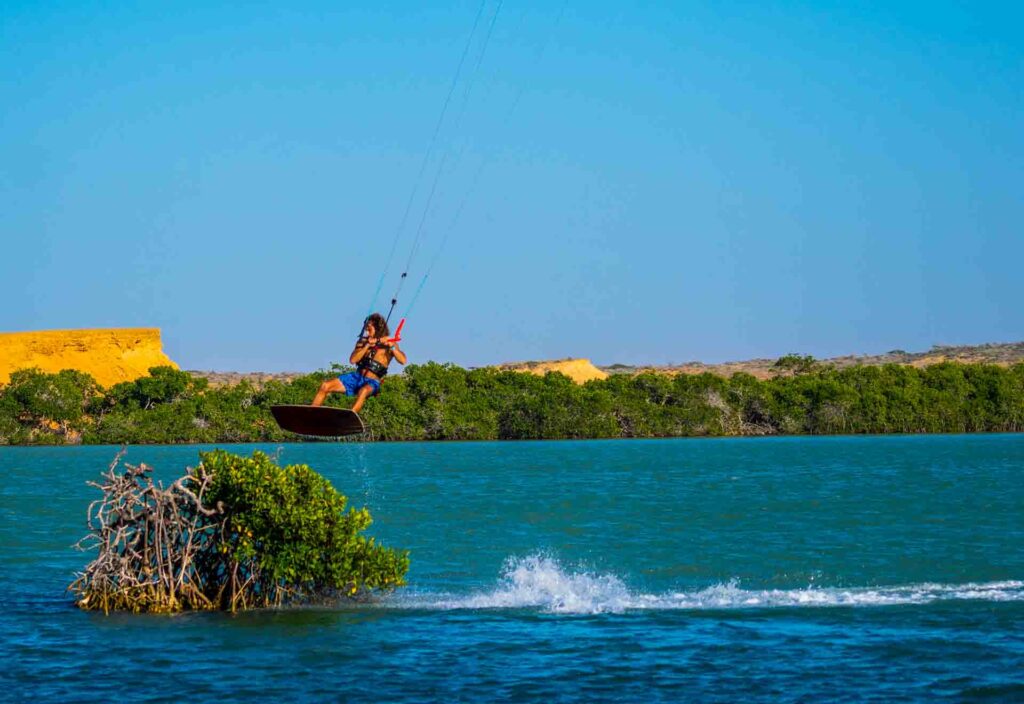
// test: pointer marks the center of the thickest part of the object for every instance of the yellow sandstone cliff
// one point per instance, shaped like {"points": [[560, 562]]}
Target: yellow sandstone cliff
{"points": [[579, 370], [109, 355]]}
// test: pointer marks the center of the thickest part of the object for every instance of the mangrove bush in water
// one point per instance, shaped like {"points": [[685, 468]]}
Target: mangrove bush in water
{"points": [[445, 402], [233, 533]]}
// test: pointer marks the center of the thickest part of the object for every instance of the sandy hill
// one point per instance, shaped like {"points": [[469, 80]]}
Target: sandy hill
{"points": [[579, 370], [110, 355], [1002, 354], [257, 379], [582, 370]]}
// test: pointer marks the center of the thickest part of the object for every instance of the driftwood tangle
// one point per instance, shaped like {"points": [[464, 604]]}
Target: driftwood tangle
{"points": [[150, 540]]}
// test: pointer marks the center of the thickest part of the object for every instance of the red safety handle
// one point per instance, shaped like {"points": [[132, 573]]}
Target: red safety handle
{"points": [[397, 337]]}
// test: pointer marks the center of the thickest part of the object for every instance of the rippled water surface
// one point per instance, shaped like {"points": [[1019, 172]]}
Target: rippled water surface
{"points": [[774, 569]]}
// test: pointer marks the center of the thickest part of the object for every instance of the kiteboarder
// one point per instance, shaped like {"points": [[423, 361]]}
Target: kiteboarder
{"points": [[372, 354]]}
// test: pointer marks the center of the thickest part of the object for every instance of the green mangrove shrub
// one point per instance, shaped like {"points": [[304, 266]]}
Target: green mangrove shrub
{"points": [[233, 533], [444, 402]]}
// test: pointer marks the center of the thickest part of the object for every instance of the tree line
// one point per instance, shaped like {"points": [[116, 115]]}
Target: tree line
{"points": [[444, 402]]}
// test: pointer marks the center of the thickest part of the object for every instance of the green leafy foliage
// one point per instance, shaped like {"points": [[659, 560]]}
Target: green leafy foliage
{"points": [[288, 529], [445, 402], [797, 363], [163, 385], [41, 408]]}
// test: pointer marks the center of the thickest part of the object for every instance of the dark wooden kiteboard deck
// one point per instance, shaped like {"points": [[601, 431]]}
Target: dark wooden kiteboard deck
{"points": [[318, 420]]}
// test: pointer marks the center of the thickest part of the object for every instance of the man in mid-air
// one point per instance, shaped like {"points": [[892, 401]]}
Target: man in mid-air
{"points": [[372, 354]]}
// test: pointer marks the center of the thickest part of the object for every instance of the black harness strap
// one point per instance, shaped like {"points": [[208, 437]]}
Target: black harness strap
{"points": [[369, 364]]}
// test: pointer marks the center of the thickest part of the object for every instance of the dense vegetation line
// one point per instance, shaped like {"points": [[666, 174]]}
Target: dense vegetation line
{"points": [[444, 402]]}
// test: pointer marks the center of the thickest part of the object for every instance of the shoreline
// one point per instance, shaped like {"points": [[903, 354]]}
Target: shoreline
{"points": [[518, 441]]}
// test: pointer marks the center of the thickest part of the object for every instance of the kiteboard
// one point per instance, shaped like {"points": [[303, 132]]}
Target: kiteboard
{"points": [[318, 420]]}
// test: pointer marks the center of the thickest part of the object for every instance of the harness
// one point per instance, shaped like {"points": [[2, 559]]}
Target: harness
{"points": [[369, 364]]}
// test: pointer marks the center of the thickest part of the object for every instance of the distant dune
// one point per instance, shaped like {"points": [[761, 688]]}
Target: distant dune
{"points": [[579, 370], [117, 355], [1002, 354], [257, 379], [109, 355]]}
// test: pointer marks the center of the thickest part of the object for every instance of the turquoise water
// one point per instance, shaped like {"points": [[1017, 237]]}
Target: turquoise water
{"points": [[888, 568]]}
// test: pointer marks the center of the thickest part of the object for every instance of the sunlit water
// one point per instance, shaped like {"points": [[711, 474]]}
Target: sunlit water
{"points": [[773, 569]]}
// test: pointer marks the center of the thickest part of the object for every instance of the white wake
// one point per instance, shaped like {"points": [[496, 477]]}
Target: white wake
{"points": [[541, 582]]}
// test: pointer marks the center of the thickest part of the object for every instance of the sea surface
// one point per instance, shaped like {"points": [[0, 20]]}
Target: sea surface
{"points": [[779, 569]]}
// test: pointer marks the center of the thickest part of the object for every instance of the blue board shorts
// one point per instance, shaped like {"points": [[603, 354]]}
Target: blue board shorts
{"points": [[353, 381]]}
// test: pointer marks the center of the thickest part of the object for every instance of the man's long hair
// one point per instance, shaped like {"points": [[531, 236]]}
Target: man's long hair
{"points": [[380, 326]]}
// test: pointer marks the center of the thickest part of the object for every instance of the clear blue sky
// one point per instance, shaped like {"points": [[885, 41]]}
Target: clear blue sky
{"points": [[658, 182]]}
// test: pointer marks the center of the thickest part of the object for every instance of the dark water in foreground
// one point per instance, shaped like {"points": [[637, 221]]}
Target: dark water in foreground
{"points": [[773, 569]]}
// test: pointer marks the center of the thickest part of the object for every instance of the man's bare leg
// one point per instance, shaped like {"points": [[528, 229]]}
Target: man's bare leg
{"points": [[364, 393], [328, 387]]}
